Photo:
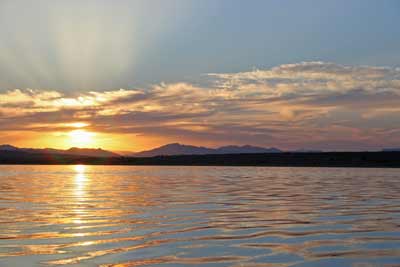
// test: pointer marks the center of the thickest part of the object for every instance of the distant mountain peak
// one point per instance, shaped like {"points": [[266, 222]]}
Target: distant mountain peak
{"points": [[174, 144], [174, 149], [8, 147]]}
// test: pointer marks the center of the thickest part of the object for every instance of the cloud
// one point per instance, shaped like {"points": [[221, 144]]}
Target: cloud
{"points": [[294, 105], [312, 78]]}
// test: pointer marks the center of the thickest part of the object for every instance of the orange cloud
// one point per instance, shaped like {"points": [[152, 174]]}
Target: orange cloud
{"points": [[294, 105]]}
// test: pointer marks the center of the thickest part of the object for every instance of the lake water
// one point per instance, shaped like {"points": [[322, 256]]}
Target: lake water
{"points": [[198, 216]]}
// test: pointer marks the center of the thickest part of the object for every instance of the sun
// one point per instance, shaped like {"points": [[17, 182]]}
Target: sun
{"points": [[81, 138]]}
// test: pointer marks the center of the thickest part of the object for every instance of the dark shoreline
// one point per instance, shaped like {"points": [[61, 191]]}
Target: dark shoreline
{"points": [[325, 159]]}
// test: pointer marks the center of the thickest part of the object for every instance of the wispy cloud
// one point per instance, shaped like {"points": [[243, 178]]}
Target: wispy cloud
{"points": [[309, 104]]}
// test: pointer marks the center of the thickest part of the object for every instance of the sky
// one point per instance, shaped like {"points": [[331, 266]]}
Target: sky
{"points": [[132, 75]]}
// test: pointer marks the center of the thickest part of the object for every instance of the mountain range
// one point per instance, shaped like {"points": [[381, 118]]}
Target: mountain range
{"points": [[165, 150], [180, 149], [91, 152]]}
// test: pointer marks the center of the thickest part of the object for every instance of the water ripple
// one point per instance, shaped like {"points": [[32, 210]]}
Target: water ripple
{"points": [[198, 216]]}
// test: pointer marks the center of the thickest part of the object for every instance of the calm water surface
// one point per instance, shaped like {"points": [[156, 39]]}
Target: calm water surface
{"points": [[198, 216]]}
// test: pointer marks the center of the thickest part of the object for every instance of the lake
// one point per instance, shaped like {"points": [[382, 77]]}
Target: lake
{"points": [[198, 216]]}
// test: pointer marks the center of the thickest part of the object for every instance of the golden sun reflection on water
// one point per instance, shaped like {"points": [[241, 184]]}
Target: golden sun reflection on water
{"points": [[80, 168], [80, 180], [80, 183]]}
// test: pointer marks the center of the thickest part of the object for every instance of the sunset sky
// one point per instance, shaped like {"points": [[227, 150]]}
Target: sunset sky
{"points": [[133, 75]]}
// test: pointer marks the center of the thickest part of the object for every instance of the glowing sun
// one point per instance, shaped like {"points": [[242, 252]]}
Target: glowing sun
{"points": [[81, 138]]}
